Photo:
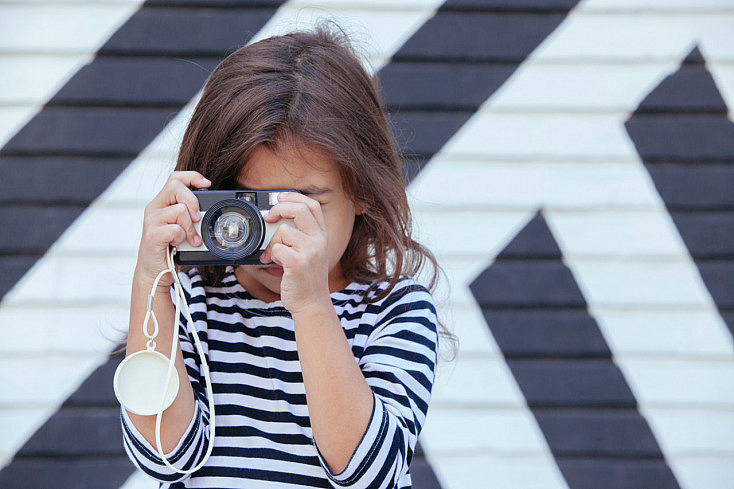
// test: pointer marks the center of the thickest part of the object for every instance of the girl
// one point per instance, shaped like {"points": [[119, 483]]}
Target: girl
{"points": [[322, 359]]}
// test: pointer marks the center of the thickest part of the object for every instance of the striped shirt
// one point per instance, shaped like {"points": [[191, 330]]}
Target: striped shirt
{"points": [[263, 432]]}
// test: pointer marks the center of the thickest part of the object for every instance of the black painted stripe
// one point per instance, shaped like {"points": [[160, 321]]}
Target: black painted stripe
{"points": [[683, 135], [578, 395]]}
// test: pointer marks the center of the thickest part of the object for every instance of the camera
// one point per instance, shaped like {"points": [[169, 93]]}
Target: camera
{"points": [[232, 227]]}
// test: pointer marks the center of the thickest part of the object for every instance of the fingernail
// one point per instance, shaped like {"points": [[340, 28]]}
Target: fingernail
{"points": [[206, 181], [198, 215], [283, 195], [197, 241]]}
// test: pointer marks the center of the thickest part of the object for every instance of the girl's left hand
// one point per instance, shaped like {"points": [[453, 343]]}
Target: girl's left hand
{"points": [[300, 247]]}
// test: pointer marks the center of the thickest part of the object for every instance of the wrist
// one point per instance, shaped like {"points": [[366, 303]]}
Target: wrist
{"points": [[314, 311], [144, 279]]}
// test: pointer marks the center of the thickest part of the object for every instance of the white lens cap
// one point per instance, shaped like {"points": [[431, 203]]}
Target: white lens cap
{"points": [[139, 383]]}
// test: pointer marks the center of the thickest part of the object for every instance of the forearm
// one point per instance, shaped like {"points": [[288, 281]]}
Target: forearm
{"points": [[178, 416], [339, 399]]}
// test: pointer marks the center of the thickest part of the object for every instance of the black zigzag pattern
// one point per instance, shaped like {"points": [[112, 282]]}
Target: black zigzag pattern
{"points": [[112, 108], [686, 140], [561, 362]]}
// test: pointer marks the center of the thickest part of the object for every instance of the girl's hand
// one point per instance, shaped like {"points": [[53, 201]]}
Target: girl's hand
{"points": [[169, 220], [300, 247]]}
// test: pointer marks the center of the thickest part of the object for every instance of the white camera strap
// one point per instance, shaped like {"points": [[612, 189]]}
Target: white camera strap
{"points": [[141, 386]]}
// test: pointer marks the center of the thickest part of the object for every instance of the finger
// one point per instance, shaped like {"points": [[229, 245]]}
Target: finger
{"points": [[283, 255], [289, 235], [178, 214], [286, 235], [300, 213], [191, 179], [187, 179], [174, 192], [313, 205], [168, 234]]}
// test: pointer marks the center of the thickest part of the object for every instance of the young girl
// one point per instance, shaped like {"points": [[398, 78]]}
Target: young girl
{"points": [[322, 359]]}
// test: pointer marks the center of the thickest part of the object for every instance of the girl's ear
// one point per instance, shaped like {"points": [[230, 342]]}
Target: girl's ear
{"points": [[360, 208]]}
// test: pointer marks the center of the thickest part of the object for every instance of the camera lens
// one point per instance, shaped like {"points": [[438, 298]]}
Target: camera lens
{"points": [[232, 229]]}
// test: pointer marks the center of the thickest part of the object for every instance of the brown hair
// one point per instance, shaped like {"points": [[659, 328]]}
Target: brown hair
{"points": [[311, 87]]}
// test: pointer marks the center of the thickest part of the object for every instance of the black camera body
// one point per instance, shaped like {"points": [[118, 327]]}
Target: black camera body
{"points": [[232, 227]]}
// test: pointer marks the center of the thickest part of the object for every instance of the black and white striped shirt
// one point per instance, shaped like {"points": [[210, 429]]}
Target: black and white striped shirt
{"points": [[263, 432]]}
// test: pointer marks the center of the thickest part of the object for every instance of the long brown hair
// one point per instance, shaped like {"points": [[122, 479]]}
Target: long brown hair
{"points": [[311, 87]]}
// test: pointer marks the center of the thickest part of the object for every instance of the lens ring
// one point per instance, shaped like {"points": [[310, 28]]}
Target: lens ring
{"points": [[250, 215]]}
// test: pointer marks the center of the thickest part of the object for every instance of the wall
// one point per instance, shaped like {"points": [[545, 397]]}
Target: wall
{"points": [[571, 166]]}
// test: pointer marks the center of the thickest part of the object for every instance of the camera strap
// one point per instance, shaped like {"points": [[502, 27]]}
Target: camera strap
{"points": [[146, 382]]}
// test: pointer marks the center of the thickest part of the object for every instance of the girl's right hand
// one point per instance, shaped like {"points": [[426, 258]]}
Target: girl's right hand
{"points": [[169, 220]]}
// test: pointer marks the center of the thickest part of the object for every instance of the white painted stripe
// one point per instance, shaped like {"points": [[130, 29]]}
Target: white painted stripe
{"points": [[481, 470], [526, 135], [557, 182], [139, 481], [645, 36], [500, 431], [636, 6]]}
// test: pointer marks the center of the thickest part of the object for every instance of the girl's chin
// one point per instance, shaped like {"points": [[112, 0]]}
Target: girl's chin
{"points": [[259, 282]]}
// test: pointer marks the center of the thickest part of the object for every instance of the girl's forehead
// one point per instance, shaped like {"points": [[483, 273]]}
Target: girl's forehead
{"points": [[289, 167]]}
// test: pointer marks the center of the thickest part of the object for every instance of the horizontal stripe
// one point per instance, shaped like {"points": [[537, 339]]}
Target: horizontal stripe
{"points": [[392, 352], [266, 454], [261, 371], [293, 479], [250, 431], [260, 393], [262, 415], [401, 309], [256, 350]]}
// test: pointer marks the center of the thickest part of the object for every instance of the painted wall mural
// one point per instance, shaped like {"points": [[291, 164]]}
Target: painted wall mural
{"points": [[571, 164]]}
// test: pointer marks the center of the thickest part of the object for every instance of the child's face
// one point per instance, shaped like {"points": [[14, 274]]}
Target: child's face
{"points": [[311, 171]]}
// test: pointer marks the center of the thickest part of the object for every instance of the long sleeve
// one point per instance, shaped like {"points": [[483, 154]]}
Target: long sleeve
{"points": [[193, 443], [185, 455], [398, 362]]}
